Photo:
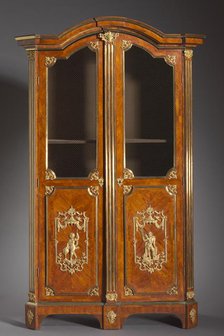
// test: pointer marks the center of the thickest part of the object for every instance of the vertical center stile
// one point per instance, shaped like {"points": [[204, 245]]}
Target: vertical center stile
{"points": [[109, 123]]}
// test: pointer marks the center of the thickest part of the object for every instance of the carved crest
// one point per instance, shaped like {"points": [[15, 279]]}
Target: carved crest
{"points": [[72, 249], [108, 37], [150, 239]]}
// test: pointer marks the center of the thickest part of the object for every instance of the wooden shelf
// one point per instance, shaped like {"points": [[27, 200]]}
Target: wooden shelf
{"points": [[70, 142], [135, 141], [82, 142]]}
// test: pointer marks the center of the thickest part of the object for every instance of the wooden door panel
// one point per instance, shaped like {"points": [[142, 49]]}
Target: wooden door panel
{"points": [[66, 127], [73, 245], [152, 236], [150, 182]]}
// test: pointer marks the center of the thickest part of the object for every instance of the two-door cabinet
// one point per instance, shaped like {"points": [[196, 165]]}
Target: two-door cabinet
{"points": [[110, 172]]}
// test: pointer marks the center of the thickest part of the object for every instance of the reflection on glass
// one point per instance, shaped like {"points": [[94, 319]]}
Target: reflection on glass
{"points": [[148, 113], [72, 115]]}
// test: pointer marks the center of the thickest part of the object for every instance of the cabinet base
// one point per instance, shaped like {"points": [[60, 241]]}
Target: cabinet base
{"points": [[112, 316]]}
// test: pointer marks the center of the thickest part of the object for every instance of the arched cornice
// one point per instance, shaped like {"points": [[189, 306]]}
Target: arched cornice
{"points": [[114, 23]]}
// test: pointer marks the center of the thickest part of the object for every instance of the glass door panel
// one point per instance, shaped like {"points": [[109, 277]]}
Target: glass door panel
{"points": [[72, 115], [149, 115]]}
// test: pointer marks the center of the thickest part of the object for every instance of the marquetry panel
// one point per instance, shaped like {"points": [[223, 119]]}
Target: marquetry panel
{"points": [[72, 243], [152, 239]]}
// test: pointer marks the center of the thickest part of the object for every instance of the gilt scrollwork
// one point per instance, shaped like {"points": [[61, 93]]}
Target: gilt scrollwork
{"points": [[170, 59], [127, 189], [111, 316], [108, 37], [94, 45], [127, 174], [193, 315], [150, 239], [49, 190], [94, 175], [72, 256], [128, 291], [126, 45], [94, 291], [171, 189], [172, 174], [30, 316], [93, 191], [50, 174], [49, 291], [50, 61], [31, 55], [173, 291]]}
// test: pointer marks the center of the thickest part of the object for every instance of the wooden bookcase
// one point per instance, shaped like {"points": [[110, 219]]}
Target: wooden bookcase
{"points": [[110, 172]]}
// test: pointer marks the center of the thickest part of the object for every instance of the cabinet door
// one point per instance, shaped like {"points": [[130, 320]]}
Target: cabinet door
{"points": [[71, 170], [149, 172]]}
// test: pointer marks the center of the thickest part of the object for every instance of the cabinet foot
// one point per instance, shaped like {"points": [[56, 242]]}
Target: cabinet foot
{"points": [[191, 316], [111, 317], [33, 320]]}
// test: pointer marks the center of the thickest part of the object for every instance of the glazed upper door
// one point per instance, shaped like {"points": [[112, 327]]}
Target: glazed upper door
{"points": [[71, 186], [149, 169]]}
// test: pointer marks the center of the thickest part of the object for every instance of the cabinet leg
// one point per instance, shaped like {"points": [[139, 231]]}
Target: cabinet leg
{"points": [[191, 316], [33, 320], [111, 317]]}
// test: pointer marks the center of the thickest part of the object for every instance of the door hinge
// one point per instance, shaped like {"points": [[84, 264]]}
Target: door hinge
{"points": [[37, 182], [38, 272], [38, 80]]}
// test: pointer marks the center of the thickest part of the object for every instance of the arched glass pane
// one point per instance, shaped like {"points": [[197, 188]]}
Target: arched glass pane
{"points": [[149, 116], [72, 115]]}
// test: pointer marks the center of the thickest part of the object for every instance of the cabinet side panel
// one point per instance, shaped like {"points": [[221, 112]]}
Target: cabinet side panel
{"points": [[32, 59], [189, 170]]}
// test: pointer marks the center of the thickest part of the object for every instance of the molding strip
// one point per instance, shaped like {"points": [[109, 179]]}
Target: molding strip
{"points": [[31, 71], [109, 39]]}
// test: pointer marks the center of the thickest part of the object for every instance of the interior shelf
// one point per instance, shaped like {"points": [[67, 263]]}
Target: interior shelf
{"points": [[80, 142], [70, 142], [145, 140]]}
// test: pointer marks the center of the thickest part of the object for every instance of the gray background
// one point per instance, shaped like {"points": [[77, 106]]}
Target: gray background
{"points": [[173, 16]]}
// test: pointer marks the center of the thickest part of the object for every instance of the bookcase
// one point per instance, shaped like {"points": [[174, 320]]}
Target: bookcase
{"points": [[111, 227]]}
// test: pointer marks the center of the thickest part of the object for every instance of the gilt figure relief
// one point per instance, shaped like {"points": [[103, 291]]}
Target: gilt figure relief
{"points": [[148, 225], [72, 255]]}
